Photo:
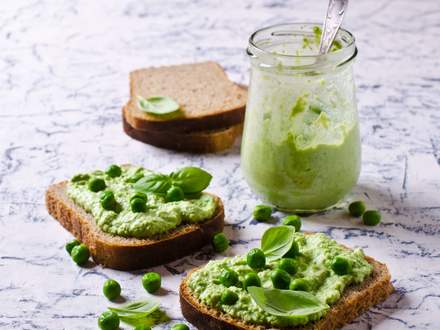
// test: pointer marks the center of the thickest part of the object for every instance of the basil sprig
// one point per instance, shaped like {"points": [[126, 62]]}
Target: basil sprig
{"points": [[277, 241], [191, 180], [158, 105], [286, 303], [140, 313]]}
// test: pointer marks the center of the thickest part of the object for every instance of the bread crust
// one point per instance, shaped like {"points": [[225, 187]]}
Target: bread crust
{"points": [[355, 300], [129, 253], [197, 142]]}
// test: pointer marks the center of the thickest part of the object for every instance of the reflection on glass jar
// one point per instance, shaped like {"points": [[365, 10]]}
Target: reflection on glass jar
{"points": [[301, 148]]}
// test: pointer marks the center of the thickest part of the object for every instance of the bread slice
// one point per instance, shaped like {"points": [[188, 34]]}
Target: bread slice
{"points": [[207, 98], [129, 253], [198, 142], [355, 300]]}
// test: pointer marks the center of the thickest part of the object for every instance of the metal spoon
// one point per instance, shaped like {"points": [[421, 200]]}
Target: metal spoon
{"points": [[335, 15]]}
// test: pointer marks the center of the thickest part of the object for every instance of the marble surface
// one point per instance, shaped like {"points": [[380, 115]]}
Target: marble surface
{"points": [[63, 79]]}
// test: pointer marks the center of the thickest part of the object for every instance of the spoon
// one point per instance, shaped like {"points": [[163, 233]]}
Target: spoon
{"points": [[335, 15]]}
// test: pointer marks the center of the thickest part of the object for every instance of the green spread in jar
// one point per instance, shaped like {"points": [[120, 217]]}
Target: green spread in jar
{"points": [[156, 217], [315, 268]]}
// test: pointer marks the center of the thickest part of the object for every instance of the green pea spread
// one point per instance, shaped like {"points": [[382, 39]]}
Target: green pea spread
{"points": [[159, 216], [314, 265]]}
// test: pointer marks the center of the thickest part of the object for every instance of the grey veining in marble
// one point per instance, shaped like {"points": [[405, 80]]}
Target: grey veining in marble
{"points": [[64, 77]]}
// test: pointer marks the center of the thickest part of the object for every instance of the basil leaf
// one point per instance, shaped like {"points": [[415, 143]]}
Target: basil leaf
{"points": [[191, 179], [286, 302], [158, 105], [276, 241], [140, 313], [154, 182]]}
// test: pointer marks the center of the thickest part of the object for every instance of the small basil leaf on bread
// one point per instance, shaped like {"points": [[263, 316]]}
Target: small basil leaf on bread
{"points": [[158, 105]]}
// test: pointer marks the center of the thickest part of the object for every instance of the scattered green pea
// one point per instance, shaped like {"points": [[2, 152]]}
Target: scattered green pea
{"points": [[356, 209], [80, 254], [139, 195], [289, 265], [293, 252], [138, 205], [262, 213], [341, 265], [108, 321], [220, 243], [228, 297], [174, 194], [70, 245], [96, 184], [299, 284], [251, 279], [107, 200], [228, 277], [280, 279], [113, 171], [179, 326], [256, 259], [371, 217], [151, 282], [292, 220], [111, 289]]}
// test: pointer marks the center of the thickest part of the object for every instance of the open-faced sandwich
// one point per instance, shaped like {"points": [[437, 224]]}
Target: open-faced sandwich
{"points": [[294, 281], [133, 218]]}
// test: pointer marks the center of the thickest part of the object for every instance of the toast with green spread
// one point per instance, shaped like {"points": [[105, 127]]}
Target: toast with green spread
{"points": [[308, 289], [130, 220], [207, 99]]}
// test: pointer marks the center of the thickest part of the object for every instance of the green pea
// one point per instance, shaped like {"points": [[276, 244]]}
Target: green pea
{"points": [[341, 265], [96, 184], [80, 178], [80, 254], [228, 297], [228, 277], [371, 217], [107, 200], [356, 209], [108, 321], [220, 243], [174, 194], [151, 282], [138, 205], [280, 279], [262, 213], [142, 327], [113, 171], [289, 265], [256, 259], [293, 220], [70, 245], [293, 252], [299, 284], [251, 279], [111, 289], [139, 195], [179, 326]]}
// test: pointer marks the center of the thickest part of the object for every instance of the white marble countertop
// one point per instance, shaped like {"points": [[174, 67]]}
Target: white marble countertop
{"points": [[64, 77]]}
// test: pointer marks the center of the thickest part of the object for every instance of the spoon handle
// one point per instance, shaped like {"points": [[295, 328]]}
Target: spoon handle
{"points": [[335, 15]]}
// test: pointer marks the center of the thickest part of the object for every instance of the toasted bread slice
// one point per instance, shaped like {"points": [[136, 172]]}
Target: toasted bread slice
{"points": [[198, 142], [207, 98], [129, 253], [355, 300]]}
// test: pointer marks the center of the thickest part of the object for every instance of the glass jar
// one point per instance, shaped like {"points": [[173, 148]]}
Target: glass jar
{"points": [[301, 149]]}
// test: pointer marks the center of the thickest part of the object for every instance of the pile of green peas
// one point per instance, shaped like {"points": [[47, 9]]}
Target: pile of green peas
{"points": [[369, 217], [79, 252]]}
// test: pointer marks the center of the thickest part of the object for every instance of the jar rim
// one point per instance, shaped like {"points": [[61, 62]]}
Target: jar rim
{"points": [[345, 54]]}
